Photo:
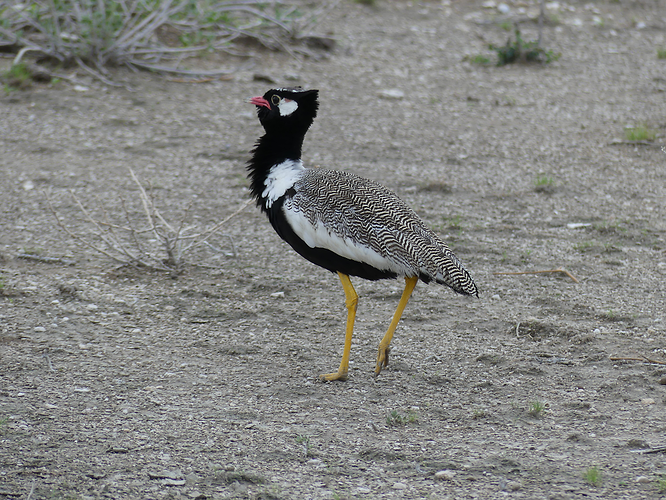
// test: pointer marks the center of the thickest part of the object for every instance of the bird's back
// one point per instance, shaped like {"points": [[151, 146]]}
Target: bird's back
{"points": [[361, 220]]}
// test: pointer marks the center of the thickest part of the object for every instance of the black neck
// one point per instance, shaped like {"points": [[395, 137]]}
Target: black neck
{"points": [[271, 149]]}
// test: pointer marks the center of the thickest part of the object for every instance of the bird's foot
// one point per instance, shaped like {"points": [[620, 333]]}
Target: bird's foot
{"points": [[382, 359], [330, 377]]}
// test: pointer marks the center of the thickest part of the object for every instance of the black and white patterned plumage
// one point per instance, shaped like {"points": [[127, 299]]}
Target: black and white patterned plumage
{"points": [[337, 220]]}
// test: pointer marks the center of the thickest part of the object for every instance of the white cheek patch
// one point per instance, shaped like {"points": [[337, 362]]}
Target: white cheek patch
{"points": [[287, 107]]}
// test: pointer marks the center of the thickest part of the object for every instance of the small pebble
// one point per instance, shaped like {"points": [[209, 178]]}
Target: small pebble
{"points": [[643, 479], [91, 307], [662, 380], [396, 94], [40, 329], [399, 486], [513, 486], [445, 475]]}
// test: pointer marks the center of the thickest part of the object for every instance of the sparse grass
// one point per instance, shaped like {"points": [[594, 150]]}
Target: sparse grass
{"points": [[640, 132], [536, 409], [584, 246], [592, 476], [478, 59], [661, 53], [661, 484], [519, 50], [396, 418], [544, 184], [305, 442], [454, 222], [479, 413], [505, 25], [18, 76]]}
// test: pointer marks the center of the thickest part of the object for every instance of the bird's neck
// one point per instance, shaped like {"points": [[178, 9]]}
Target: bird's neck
{"points": [[272, 149]]}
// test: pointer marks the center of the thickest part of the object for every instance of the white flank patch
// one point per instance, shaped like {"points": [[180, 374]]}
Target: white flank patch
{"points": [[322, 237], [287, 107], [280, 178]]}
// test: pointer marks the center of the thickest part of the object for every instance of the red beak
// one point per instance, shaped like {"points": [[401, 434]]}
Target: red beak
{"points": [[260, 101]]}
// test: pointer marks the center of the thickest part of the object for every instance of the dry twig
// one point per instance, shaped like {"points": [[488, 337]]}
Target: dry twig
{"points": [[638, 357]]}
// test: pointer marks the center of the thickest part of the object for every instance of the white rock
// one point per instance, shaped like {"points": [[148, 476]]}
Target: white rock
{"points": [[396, 94], [399, 486], [445, 475], [40, 329], [28, 185], [504, 8], [643, 479]]}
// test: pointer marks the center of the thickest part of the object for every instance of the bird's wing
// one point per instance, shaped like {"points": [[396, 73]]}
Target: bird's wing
{"points": [[362, 220]]}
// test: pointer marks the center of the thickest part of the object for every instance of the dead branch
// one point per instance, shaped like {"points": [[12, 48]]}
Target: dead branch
{"points": [[549, 271], [125, 243], [638, 357], [47, 260]]}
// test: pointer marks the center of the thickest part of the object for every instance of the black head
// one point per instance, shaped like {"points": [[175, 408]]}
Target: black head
{"points": [[287, 109]]}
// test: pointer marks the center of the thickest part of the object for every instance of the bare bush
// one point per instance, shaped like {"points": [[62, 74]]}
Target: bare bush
{"points": [[152, 243]]}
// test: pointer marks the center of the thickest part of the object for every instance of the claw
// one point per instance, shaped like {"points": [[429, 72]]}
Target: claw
{"points": [[382, 359], [330, 377]]}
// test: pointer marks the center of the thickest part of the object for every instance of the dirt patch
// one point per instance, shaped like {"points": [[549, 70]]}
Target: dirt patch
{"points": [[119, 383]]}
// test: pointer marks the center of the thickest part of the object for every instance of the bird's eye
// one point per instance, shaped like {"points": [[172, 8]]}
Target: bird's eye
{"points": [[275, 99]]}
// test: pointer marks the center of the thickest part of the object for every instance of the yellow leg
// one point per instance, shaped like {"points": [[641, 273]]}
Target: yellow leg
{"points": [[384, 345], [351, 301]]}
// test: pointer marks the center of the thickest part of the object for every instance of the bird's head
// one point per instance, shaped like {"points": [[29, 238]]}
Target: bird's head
{"points": [[292, 108]]}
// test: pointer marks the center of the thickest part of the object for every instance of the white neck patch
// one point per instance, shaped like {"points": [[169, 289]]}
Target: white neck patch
{"points": [[287, 107], [280, 178]]}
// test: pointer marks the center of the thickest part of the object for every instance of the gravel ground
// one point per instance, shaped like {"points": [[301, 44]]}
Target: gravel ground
{"points": [[131, 384]]}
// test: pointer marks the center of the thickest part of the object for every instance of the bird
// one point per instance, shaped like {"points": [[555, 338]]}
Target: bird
{"points": [[340, 221]]}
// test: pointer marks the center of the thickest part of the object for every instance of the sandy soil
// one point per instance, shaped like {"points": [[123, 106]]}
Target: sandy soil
{"points": [[128, 384]]}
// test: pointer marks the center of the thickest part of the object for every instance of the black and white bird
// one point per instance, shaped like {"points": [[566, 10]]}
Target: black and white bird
{"points": [[342, 222]]}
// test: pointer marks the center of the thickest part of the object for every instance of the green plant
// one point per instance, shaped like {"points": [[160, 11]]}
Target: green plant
{"points": [[661, 484], [478, 59], [478, 413], [536, 408], [584, 246], [522, 51], [592, 476], [454, 222], [640, 132], [395, 418], [305, 442], [661, 53], [544, 184], [505, 25], [18, 76]]}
